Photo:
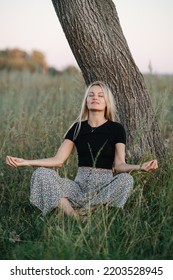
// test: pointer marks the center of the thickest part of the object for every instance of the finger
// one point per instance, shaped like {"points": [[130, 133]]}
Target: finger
{"points": [[12, 162], [8, 160], [147, 167], [154, 165]]}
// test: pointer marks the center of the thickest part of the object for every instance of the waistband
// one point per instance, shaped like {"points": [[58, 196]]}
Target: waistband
{"points": [[94, 169]]}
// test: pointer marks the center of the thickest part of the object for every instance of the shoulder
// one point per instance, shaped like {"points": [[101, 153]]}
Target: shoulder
{"points": [[76, 126], [115, 125], [118, 132], [70, 132], [72, 127]]}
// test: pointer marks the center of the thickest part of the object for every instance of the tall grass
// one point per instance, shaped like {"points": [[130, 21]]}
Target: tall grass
{"points": [[35, 112], [161, 92]]}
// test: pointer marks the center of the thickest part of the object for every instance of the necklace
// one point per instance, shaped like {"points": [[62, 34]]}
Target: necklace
{"points": [[92, 129]]}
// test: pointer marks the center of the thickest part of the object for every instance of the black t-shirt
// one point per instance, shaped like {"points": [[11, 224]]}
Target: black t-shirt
{"points": [[97, 148]]}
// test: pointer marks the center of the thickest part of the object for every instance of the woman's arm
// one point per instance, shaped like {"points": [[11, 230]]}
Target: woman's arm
{"points": [[57, 161], [120, 164]]}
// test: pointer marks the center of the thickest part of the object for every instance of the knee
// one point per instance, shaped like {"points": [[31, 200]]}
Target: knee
{"points": [[42, 172], [127, 180], [38, 172]]}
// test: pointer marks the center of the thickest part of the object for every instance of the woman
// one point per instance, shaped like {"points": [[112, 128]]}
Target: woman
{"points": [[100, 143]]}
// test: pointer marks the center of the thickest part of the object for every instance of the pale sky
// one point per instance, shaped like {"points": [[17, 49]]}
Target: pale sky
{"points": [[147, 26]]}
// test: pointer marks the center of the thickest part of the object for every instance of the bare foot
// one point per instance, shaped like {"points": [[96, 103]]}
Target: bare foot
{"points": [[81, 211], [67, 208]]}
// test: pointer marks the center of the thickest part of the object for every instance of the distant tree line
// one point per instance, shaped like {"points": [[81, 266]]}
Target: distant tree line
{"points": [[17, 59]]}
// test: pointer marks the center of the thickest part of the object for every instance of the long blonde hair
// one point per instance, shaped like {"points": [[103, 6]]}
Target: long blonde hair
{"points": [[110, 111]]}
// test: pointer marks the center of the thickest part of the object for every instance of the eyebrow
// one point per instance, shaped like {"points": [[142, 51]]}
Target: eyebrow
{"points": [[98, 92]]}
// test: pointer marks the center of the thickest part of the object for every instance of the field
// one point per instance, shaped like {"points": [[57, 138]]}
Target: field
{"points": [[35, 112]]}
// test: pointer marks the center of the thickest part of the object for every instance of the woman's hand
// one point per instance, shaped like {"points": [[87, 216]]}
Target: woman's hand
{"points": [[149, 165], [15, 162]]}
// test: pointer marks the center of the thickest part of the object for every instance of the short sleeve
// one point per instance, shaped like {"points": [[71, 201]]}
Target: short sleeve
{"points": [[70, 133], [120, 134]]}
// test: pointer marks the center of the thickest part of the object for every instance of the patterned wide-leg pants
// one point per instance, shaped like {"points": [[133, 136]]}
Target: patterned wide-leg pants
{"points": [[91, 186]]}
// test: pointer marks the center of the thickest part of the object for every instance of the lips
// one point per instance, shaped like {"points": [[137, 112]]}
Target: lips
{"points": [[94, 102]]}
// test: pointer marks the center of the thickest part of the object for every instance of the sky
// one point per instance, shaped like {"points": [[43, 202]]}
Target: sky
{"points": [[147, 26]]}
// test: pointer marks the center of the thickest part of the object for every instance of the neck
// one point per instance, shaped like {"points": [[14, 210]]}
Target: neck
{"points": [[96, 118]]}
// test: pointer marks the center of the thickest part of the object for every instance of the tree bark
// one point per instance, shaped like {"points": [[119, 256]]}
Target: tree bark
{"points": [[94, 33]]}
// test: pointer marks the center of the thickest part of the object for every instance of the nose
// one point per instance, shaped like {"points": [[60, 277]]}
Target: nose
{"points": [[94, 97]]}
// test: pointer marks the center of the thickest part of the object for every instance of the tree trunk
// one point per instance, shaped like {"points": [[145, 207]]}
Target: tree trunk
{"points": [[93, 31]]}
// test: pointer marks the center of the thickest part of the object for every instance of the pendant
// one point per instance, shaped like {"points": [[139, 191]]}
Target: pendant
{"points": [[92, 129]]}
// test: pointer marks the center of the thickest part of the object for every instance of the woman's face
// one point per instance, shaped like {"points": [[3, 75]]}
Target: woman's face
{"points": [[95, 99]]}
